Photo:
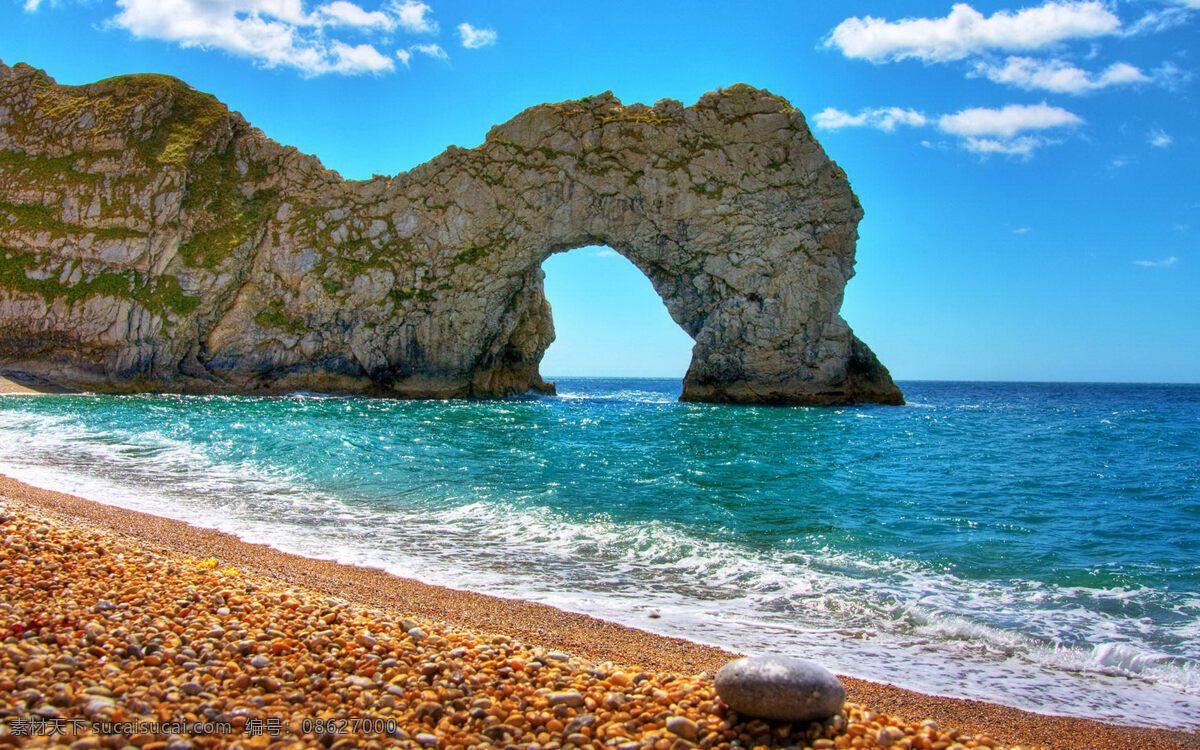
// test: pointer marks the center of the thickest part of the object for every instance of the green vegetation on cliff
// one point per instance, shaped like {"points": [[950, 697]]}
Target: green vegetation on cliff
{"points": [[42, 218], [157, 295], [189, 121], [175, 119], [229, 220], [26, 170]]}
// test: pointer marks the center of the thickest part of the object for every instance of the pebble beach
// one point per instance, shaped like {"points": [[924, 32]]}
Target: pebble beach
{"points": [[124, 629]]}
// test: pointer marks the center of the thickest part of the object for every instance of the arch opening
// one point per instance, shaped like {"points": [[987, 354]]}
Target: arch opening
{"points": [[609, 321]]}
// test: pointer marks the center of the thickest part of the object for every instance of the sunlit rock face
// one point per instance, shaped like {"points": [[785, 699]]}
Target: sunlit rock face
{"points": [[152, 240]]}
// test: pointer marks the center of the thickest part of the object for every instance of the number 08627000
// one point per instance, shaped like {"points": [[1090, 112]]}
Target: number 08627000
{"points": [[366, 725]]}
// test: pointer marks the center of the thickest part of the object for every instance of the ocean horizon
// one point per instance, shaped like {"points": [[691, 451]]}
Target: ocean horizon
{"points": [[1023, 543]]}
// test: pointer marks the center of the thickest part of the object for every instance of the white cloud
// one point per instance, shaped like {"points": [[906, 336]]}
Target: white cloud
{"points": [[885, 118], [473, 38], [273, 33], [32, 5], [413, 16], [1023, 146], [1169, 76], [966, 31], [1008, 121], [1156, 263], [1156, 21], [605, 253], [345, 13], [360, 58], [1159, 138], [1022, 230], [1006, 131], [832, 119], [1058, 76], [433, 50], [1015, 130], [404, 55]]}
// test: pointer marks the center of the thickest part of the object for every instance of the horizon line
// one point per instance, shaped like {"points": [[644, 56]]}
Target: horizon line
{"points": [[912, 380]]}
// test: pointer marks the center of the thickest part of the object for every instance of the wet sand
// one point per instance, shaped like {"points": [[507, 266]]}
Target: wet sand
{"points": [[587, 638]]}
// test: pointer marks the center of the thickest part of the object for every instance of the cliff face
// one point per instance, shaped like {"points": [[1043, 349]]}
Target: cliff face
{"points": [[152, 240]]}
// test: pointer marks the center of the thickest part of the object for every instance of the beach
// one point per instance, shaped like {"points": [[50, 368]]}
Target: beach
{"points": [[8, 386], [586, 655]]}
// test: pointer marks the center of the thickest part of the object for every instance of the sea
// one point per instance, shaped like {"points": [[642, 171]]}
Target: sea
{"points": [[1030, 544]]}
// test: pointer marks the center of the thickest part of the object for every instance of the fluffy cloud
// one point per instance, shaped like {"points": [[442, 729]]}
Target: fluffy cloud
{"points": [[345, 13], [274, 33], [1058, 76], [967, 34], [966, 31], [278, 33], [413, 16], [885, 118], [1015, 130], [1007, 122], [473, 38]]}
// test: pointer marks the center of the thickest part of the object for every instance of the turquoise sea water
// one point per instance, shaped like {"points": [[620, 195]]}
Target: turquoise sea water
{"points": [[1032, 544]]}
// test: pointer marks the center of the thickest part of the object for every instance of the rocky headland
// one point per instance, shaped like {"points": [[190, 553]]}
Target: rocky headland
{"points": [[150, 239]]}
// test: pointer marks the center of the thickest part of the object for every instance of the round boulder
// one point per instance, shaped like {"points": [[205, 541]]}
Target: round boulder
{"points": [[780, 688]]}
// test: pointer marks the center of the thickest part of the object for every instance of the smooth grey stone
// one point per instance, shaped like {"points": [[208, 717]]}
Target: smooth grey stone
{"points": [[780, 688]]}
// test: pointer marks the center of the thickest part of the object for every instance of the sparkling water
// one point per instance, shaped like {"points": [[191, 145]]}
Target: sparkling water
{"points": [[1036, 545]]}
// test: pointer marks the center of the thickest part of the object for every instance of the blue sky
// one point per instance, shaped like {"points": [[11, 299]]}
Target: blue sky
{"points": [[1030, 172]]}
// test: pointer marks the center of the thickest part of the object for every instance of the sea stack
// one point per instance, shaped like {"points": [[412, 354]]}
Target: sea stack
{"points": [[150, 239]]}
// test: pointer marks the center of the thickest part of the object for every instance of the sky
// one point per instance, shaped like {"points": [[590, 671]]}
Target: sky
{"points": [[1030, 172]]}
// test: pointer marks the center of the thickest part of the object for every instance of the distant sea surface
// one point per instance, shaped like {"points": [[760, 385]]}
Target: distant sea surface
{"points": [[1036, 545]]}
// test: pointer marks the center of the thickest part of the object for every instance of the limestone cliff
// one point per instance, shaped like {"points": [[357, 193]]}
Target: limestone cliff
{"points": [[152, 240]]}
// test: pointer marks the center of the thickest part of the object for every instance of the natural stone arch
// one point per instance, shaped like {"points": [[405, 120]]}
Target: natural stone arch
{"points": [[731, 209], [277, 275]]}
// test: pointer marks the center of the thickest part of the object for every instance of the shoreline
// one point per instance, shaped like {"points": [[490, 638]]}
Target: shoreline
{"points": [[581, 635], [18, 384]]}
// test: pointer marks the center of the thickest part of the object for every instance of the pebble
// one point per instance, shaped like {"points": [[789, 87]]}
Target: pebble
{"points": [[571, 698], [780, 688], [441, 686], [683, 726]]}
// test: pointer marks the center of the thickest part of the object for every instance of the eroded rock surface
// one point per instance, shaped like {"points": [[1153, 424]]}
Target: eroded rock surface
{"points": [[152, 240]]}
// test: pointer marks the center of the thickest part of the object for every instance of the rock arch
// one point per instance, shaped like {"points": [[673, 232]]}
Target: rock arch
{"points": [[179, 248]]}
